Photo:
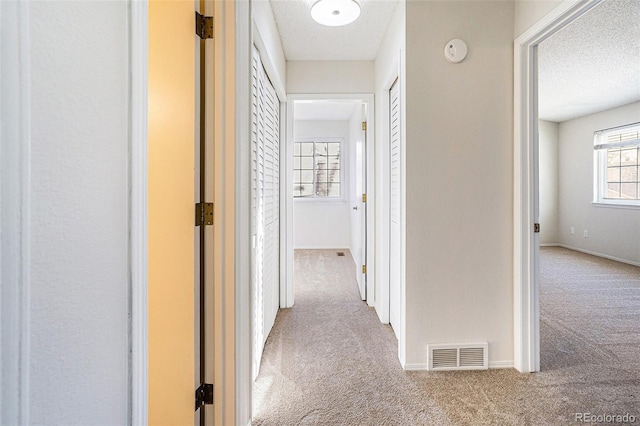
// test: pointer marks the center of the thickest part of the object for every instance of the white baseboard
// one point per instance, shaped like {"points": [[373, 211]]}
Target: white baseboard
{"points": [[550, 245], [606, 256], [493, 365], [416, 367]]}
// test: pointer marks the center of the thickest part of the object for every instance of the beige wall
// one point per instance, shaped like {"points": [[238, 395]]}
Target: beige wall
{"points": [[171, 198], [459, 177], [548, 178], [528, 12], [330, 77], [613, 231]]}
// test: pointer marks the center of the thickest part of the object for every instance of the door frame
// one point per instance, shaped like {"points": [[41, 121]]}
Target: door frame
{"points": [[526, 315], [139, 54], [286, 179]]}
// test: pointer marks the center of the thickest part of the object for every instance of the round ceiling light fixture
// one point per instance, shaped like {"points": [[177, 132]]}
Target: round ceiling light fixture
{"points": [[335, 13]]}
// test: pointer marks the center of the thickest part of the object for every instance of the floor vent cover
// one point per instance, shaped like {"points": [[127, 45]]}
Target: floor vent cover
{"points": [[458, 357], [340, 253]]}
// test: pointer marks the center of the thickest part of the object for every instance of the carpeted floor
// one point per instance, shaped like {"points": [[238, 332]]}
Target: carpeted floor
{"points": [[329, 360]]}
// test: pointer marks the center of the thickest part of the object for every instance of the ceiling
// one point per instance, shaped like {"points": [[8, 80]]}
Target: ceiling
{"points": [[303, 39], [593, 64]]}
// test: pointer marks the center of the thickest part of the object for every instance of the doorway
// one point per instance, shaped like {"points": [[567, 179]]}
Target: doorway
{"points": [[526, 182], [340, 217]]}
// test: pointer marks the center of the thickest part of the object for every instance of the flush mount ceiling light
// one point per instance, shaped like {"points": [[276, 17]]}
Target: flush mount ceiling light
{"points": [[335, 13]]}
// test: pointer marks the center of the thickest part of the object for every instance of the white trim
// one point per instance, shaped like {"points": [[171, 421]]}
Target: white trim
{"points": [[286, 178], [496, 365], [493, 365], [286, 207], [243, 326], [15, 159], [595, 253], [525, 241], [416, 367], [139, 363], [616, 205]]}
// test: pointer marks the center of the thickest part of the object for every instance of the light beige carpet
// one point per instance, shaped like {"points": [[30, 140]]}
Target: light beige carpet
{"points": [[329, 360]]}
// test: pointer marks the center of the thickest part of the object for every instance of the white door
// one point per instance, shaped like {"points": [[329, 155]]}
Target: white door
{"points": [[359, 211], [265, 206], [394, 207]]}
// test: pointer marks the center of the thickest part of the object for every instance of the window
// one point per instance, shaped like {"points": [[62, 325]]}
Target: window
{"points": [[617, 163], [317, 169]]}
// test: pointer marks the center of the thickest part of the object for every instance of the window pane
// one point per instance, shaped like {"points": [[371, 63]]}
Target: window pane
{"points": [[321, 149], [321, 176], [306, 148], [334, 190], [307, 163], [296, 177], [321, 163], [306, 176], [629, 174], [334, 149], [296, 163], [628, 191], [321, 189], [613, 174], [334, 163], [613, 157], [629, 156], [613, 190]]}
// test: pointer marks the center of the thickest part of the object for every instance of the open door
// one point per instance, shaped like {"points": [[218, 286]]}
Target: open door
{"points": [[359, 220]]}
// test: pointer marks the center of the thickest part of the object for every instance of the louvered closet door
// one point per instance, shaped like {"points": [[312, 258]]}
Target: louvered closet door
{"points": [[265, 206], [394, 207]]}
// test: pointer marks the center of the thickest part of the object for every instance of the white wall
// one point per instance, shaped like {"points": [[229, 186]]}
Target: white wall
{"points": [[267, 40], [459, 176], [613, 232], [330, 77], [76, 229], [323, 224], [529, 12], [548, 167]]}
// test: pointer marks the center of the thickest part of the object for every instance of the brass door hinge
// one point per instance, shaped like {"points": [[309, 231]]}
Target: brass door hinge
{"points": [[364, 269], [204, 395], [536, 228], [204, 26], [204, 214], [364, 198], [364, 125]]}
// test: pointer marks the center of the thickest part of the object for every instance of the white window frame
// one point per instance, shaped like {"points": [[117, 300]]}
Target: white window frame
{"points": [[343, 184], [600, 167]]}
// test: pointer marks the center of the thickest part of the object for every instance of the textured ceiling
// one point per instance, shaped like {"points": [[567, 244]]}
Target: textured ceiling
{"points": [[593, 64], [305, 40]]}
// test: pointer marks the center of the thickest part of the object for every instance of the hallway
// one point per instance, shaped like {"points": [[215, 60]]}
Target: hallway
{"points": [[329, 360]]}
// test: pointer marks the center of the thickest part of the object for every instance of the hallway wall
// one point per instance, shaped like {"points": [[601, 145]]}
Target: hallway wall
{"points": [[72, 109], [330, 77], [459, 179]]}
